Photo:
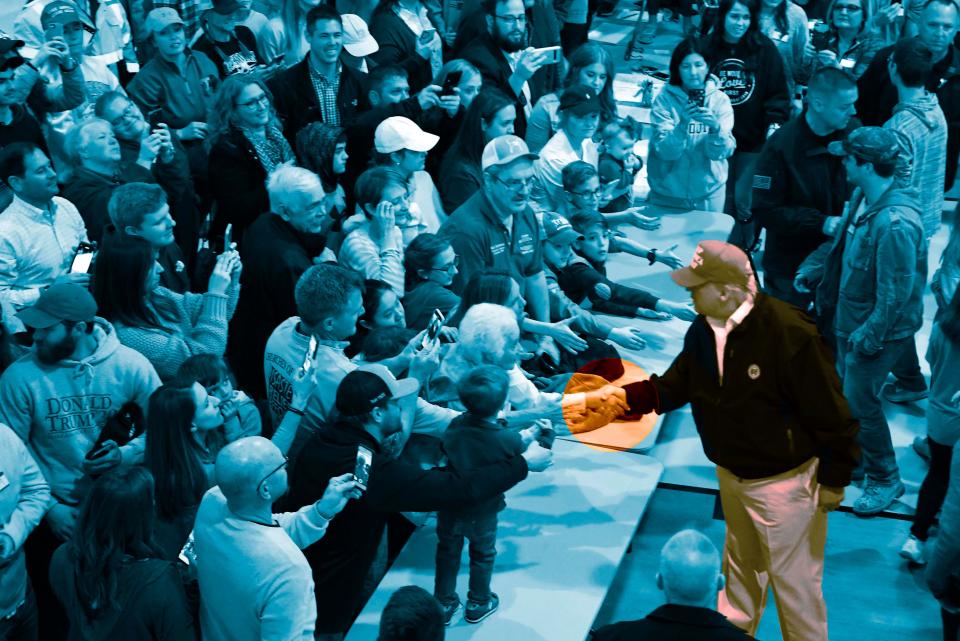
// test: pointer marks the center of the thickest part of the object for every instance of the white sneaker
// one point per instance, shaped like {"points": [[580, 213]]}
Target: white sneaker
{"points": [[912, 550]]}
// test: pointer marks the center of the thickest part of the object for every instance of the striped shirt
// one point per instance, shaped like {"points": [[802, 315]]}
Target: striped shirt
{"points": [[36, 246]]}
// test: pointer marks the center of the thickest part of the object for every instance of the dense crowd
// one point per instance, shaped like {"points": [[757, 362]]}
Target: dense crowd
{"points": [[280, 279]]}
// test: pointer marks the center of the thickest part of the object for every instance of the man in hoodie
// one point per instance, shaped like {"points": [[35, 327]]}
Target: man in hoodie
{"points": [[57, 399], [871, 288], [799, 189], [921, 129]]}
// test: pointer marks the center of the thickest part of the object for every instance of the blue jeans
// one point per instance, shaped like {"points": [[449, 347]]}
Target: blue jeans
{"points": [[482, 534], [24, 624], [863, 377]]}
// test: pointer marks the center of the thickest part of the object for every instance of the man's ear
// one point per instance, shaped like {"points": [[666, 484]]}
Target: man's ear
{"points": [[489, 19], [660, 581], [374, 97]]}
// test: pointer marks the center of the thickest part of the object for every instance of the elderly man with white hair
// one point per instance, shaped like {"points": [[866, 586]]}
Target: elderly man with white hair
{"points": [[489, 335], [278, 247], [690, 579], [255, 582]]}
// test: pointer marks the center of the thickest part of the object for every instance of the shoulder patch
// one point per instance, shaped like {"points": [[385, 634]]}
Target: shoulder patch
{"points": [[761, 182]]}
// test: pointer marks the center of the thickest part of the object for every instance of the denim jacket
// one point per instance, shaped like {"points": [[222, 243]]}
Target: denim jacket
{"points": [[875, 271]]}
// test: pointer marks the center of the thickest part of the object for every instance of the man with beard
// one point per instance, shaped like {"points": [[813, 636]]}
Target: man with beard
{"points": [[39, 232], [57, 399], [504, 59], [370, 403], [254, 582]]}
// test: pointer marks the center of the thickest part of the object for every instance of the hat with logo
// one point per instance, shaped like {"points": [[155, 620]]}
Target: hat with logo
{"points": [[356, 36], [58, 303], [579, 100], [396, 133], [503, 150], [61, 12], [715, 262], [584, 219], [557, 229], [872, 144], [9, 44], [369, 386], [161, 18]]}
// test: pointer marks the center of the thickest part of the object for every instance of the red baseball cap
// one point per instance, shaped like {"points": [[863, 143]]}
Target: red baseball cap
{"points": [[715, 262]]}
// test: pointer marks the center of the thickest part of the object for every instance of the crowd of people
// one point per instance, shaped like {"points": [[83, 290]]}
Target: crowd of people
{"points": [[277, 279]]}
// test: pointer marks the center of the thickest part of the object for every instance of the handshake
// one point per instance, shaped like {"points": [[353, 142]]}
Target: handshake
{"points": [[601, 407]]}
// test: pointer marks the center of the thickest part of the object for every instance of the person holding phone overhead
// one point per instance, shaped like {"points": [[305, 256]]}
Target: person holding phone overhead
{"points": [[692, 121]]}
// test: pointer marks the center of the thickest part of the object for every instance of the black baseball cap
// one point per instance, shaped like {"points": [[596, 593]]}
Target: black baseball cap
{"points": [[368, 386]]}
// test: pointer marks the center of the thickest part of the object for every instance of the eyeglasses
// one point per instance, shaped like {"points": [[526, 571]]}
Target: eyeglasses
{"points": [[271, 473], [587, 194], [449, 267], [516, 186], [260, 101], [513, 20], [128, 112], [848, 8]]}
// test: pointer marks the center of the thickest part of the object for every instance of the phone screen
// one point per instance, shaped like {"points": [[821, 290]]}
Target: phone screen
{"points": [[82, 259], [228, 237], [433, 329], [697, 97], [361, 472], [311, 354], [53, 31]]}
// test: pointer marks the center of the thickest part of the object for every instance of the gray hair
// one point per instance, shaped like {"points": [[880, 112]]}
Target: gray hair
{"points": [[287, 182], [486, 330], [78, 138]]}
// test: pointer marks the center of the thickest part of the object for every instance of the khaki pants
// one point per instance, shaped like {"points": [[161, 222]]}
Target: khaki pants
{"points": [[776, 537]]}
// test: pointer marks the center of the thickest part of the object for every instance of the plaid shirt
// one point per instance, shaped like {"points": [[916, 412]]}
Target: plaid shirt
{"points": [[327, 90]]}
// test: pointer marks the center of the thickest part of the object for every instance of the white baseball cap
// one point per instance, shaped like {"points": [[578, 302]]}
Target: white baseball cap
{"points": [[503, 150], [396, 133], [356, 36]]}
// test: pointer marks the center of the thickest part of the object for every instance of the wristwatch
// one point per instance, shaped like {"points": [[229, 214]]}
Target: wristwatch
{"points": [[652, 256]]}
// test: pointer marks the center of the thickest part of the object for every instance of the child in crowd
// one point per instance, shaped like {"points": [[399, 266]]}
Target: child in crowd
{"points": [[473, 439], [585, 278], [618, 164], [240, 414]]}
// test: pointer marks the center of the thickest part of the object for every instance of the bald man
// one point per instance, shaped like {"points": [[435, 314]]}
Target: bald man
{"points": [[255, 583], [690, 579]]}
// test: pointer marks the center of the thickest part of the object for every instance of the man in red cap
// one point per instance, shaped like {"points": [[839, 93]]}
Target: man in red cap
{"points": [[768, 405]]}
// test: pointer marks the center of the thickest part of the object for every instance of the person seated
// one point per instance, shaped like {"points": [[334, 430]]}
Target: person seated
{"points": [[383, 343], [411, 614], [381, 308], [374, 244], [582, 192], [241, 417], [40, 232], [690, 578], [111, 577], [231, 46], [429, 265], [246, 145], [164, 326], [585, 280]]}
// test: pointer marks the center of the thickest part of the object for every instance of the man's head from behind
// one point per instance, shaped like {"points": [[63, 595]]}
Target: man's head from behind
{"points": [[330, 301], [831, 96], [28, 172], [483, 391], [141, 209], [911, 63], [251, 471], [411, 614], [388, 85], [690, 570]]}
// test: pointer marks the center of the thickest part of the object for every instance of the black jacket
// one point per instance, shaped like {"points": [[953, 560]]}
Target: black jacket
{"points": [[342, 558], [296, 103], [237, 183], [495, 69], [398, 46], [756, 85], [779, 404], [796, 186], [878, 97], [580, 280], [674, 623], [90, 192], [275, 255]]}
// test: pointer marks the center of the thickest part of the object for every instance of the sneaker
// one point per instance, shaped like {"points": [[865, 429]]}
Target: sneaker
{"points": [[876, 498], [912, 550], [449, 610], [922, 447], [895, 393], [477, 612]]}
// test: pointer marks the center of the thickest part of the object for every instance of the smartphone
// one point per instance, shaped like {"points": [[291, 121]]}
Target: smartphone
{"points": [[83, 258], [554, 54], [427, 35], [228, 237], [53, 31], [311, 354], [153, 116], [433, 329], [361, 473], [697, 97], [655, 73], [451, 82]]}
